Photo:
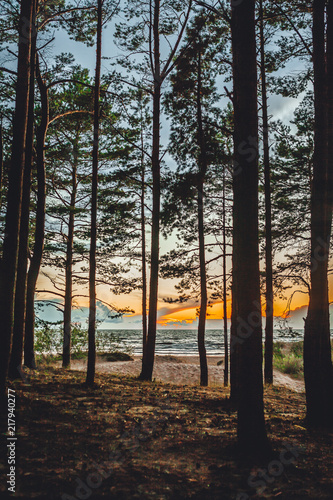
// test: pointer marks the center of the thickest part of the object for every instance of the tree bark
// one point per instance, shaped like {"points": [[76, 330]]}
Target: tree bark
{"points": [[202, 164], [235, 341], [318, 371], [93, 229], [143, 257], [15, 364], [329, 192], [8, 269], [29, 354], [246, 317], [203, 289], [66, 354], [268, 213], [225, 317], [1, 161], [148, 359]]}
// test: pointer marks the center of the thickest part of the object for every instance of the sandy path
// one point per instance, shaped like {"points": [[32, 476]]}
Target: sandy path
{"points": [[182, 370]]}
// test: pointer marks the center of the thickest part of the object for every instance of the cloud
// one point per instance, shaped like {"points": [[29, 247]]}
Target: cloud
{"points": [[164, 311], [47, 311], [296, 316], [175, 324]]}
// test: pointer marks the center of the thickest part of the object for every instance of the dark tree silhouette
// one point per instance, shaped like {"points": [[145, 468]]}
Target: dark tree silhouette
{"points": [[202, 163], [66, 354], [148, 358], [246, 309], [224, 265], [22, 267], [8, 271], [318, 371], [268, 211], [94, 193], [160, 72], [35, 263]]}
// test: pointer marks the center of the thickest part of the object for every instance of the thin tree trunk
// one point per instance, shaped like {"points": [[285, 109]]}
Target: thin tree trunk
{"points": [[13, 212], [329, 57], [143, 257], [225, 317], [15, 364], [203, 290], [246, 317], [148, 360], [1, 161], [29, 354], [235, 342], [268, 214], [318, 374], [329, 191], [66, 355], [93, 229], [202, 161]]}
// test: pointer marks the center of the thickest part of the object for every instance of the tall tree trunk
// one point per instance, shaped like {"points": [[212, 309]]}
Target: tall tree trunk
{"points": [[329, 191], [318, 372], [148, 359], [203, 289], [143, 257], [143, 240], [202, 163], [15, 364], [234, 351], [93, 229], [1, 161], [13, 212], [246, 315], [268, 215], [66, 354], [225, 312], [29, 353]]}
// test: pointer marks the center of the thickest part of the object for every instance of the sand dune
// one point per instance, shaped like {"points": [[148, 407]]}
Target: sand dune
{"points": [[180, 370]]}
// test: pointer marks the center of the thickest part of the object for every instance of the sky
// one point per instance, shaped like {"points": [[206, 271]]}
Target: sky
{"points": [[169, 315], [169, 318]]}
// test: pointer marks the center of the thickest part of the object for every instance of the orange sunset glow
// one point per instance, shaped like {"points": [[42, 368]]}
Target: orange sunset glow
{"points": [[189, 314], [215, 311], [171, 315]]}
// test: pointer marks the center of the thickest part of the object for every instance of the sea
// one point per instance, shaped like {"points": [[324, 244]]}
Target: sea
{"points": [[184, 342]]}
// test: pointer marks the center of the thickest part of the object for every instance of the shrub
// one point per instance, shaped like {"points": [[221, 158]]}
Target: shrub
{"points": [[290, 364], [79, 341], [296, 348], [48, 341], [117, 356], [277, 349]]}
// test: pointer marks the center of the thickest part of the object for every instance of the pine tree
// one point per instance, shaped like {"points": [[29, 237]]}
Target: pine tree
{"points": [[35, 263], [94, 192], [318, 370], [143, 36], [192, 105], [246, 309], [15, 364], [14, 197]]}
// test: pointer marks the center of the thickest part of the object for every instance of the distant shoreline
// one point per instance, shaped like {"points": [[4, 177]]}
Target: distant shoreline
{"points": [[181, 329]]}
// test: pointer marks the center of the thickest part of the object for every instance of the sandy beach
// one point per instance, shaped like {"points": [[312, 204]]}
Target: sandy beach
{"points": [[180, 370]]}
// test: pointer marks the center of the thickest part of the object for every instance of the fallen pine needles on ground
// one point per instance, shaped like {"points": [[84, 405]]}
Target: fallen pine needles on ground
{"points": [[127, 439]]}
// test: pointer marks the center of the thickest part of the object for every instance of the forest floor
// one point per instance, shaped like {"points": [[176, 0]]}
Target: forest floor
{"points": [[127, 439]]}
